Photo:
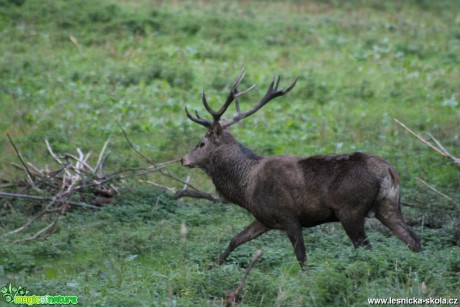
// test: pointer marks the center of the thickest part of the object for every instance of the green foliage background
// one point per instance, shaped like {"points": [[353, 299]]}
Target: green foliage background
{"points": [[71, 70]]}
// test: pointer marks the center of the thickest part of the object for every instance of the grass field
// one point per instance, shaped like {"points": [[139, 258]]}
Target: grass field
{"points": [[72, 71]]}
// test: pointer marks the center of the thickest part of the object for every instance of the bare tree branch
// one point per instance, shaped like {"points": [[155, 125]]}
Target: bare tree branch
{"points": [[158, 185], [47, 230], [99, 169], [196, 194], [434, 189], [29, 175], [440, 149], [231, 297], [134, 148], [16, 195]]}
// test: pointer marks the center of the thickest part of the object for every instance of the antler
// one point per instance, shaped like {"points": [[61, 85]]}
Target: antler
{"points": [[272, 93], [217, 114]]}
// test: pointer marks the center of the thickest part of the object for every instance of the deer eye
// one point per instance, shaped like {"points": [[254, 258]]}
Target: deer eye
{"points": [[202, 144]]}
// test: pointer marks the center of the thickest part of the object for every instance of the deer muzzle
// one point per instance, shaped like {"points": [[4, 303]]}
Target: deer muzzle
{"points": [[185, 161]]}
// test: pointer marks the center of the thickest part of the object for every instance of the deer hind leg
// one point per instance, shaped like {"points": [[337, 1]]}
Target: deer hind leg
{"points": [[251, 232], [389, 213]]}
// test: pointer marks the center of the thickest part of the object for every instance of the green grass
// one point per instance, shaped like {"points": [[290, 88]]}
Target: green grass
{"points": [[133, 254], [70, 71]]}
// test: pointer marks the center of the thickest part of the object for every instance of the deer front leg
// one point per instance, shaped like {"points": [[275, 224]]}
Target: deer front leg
{"points": [[252, 231], [295, 236]]}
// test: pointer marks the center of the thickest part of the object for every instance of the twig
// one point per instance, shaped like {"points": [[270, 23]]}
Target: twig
{"points": [[133, 147], [46, 231], [434, 190], [120, 175], [187, 181], [81, 163], [231, 297], [196, 194], [50, 150], [441, 150], [167, 174], [29, 175], [38, 233], [456, 160], [74, 40], [101, 160], [185, 192], [157, 185], [27, 224], [35, 169], [159, 165], [15, 195]]}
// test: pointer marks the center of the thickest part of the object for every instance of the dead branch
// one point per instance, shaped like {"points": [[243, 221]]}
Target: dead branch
{"points": [[27, 224], [41, 198], [196, 194], [26, 169], [434, 189], [47, 230], [50, 150], [158, 185], [438, 148], [99, 169], [169, 175], [232, 296], [134, 148]]}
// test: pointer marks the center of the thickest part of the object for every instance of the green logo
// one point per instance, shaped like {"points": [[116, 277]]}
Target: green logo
{"points": [[9, 292], [19, 295]]}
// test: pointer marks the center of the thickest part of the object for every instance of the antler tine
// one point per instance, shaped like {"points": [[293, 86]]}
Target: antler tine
{"points": [[206, 105], [237, 105], [231, 96], [278, 82], [238, 80], [237, 102], [197, 115], [245, 91], [290, 87], [272, 93], [217, 115], [275, 83], [198, 119]]}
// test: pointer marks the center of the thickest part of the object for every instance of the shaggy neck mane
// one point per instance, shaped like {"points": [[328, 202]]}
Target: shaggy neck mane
{"points": [[229, 169]]}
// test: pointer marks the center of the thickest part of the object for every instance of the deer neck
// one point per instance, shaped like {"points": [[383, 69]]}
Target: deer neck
{"points": [[229, 170]]}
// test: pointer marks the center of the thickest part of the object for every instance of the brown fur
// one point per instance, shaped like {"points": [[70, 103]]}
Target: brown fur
{"points": [[291, 192]]}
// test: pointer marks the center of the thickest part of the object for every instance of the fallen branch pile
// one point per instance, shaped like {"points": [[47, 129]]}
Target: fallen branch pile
{"points": [[75, 182]]}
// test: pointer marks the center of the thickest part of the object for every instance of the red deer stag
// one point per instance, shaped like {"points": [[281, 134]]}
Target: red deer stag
{"points": [[291, 192]]}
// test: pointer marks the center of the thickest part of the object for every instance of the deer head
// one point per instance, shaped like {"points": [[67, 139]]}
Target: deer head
{"points": [[217, 135]]}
